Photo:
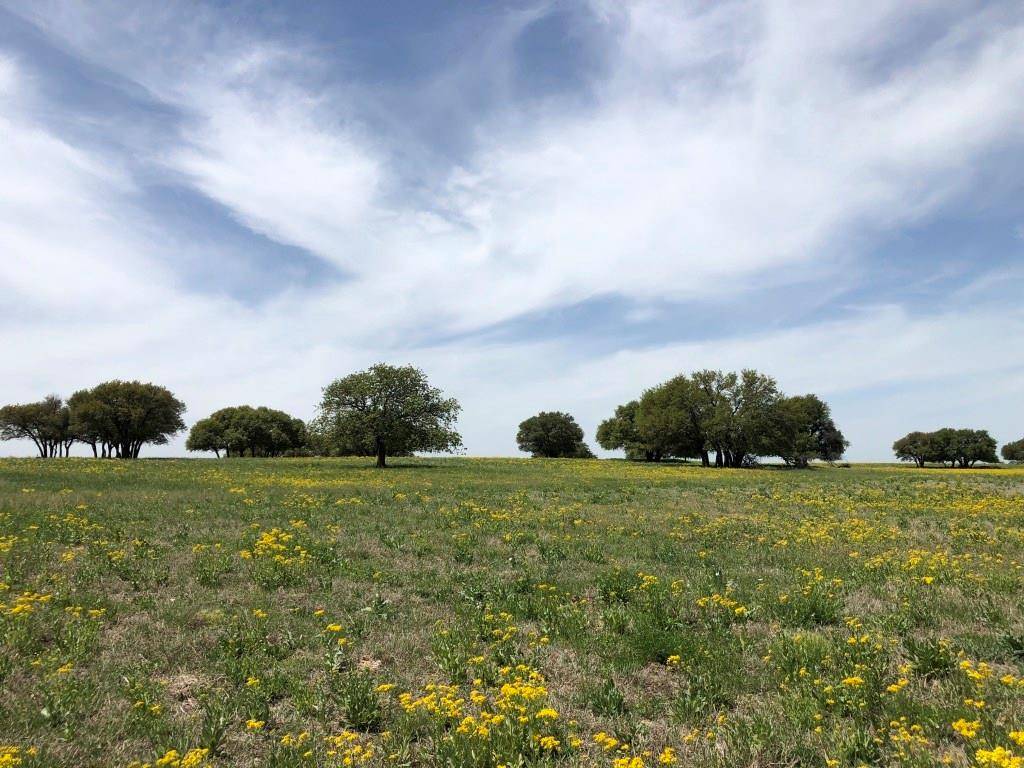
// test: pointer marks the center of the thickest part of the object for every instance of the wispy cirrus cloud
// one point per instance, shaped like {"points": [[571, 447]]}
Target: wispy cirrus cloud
{"points": [[698, 161]]}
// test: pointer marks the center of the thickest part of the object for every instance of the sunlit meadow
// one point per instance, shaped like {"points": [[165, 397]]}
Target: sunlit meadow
{"points": [[486, 613]]}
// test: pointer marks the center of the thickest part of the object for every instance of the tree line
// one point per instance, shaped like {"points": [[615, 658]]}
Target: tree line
{"points": [[383, 411], [115, 419], [394, 411]]}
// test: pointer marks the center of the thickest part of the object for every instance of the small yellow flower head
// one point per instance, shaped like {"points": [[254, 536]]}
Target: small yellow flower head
{"points": [[549, 743], [967, 729], [255, 725]]}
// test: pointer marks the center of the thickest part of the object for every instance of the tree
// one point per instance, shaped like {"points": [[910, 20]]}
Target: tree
{"points": [[738, 416], [206, 435], [621, 432], [966, 447], [386, 411], [914, 446], [668, 421], [806, 431], [1014, 451], [742, 421], [46, 423], [552, 435], [122, 416], [261, 431]]}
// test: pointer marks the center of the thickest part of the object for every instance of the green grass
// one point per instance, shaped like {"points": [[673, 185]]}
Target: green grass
{"points": [[471, 612]]}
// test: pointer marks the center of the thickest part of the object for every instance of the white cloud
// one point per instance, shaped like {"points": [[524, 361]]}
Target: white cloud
{"points": [[66, 244], [280, 164], [667, 188], [731, 147]]}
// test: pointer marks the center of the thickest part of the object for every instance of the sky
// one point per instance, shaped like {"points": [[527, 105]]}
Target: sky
{"points": [[545, 205]]}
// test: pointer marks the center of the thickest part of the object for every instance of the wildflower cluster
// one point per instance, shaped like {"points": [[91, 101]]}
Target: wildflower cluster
{"points": [[491, 726]]}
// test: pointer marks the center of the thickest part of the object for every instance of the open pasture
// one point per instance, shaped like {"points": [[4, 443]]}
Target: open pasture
{"points": [[471, 612]]}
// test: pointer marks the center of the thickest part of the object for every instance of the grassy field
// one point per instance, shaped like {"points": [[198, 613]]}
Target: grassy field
{"points": [[470, 612]]}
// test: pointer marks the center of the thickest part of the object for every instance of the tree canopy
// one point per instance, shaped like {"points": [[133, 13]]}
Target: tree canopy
{"points": [[386, 411], [1014, 451], [552, 435], [259, 431], [46, 423], [805, 431], [621, 432], [122, 416], [735, 416], [958, 447]]}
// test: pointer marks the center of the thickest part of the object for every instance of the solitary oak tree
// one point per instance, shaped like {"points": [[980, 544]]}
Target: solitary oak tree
{"points": [[552, 435], [385, 411]]}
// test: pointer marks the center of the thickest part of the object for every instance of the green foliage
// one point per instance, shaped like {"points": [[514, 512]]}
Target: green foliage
{"points": [[602, 697], [669, 419], [552, 435], [259, 431], [805, 431], [621, 432], [1014, 451], [931, 657], [360, 704], [46, 423], [122, 416], [959, 447], [736, 416], [914, 446], [386, 411]]}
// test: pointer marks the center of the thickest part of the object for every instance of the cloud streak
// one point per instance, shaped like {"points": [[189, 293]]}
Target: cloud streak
{"points": [[721, 152]]}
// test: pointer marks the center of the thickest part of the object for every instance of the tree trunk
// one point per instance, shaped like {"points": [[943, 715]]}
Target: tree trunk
{"points": [[381, 454], [705, 460]]}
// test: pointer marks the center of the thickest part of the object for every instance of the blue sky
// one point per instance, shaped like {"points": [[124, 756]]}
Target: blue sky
{"points": [[546, 205]]}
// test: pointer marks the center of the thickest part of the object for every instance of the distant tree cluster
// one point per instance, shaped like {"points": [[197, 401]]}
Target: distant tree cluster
{"points": [[394, 411], [955, 447], [115, 419], [552, 435], [243, 429], [380, 412], [1014, 451], [46, 423], [735, 416]]}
